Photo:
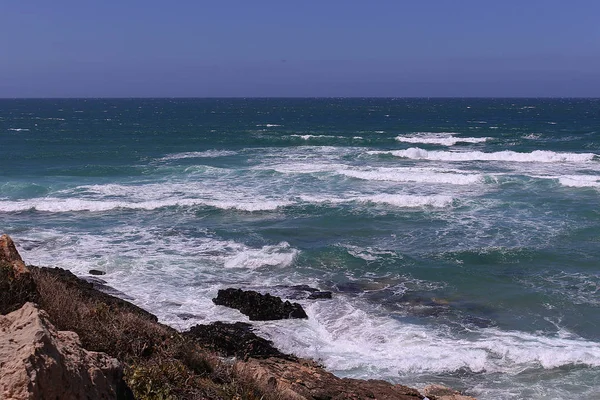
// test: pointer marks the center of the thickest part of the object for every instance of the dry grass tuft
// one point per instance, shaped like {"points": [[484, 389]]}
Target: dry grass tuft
{"points": [[160, 362]]}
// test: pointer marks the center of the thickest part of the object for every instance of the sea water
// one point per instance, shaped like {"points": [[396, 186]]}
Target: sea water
{"points": [[460, 237]]}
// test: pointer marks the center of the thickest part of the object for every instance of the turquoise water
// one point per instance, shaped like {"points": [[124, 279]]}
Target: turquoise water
{"points": [[461, 237]]}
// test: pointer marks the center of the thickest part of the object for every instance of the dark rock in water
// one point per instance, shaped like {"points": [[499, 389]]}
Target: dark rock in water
{"points": [[257, 306], [101, 285], [96, 272], [319, 295], [234, 340], [349, 287], [299, 292], [186, 316], [93, 280], [304, 288]]}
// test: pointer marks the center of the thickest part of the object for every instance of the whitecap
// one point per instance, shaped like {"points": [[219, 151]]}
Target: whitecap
{"points": [[541, 156], [200, 154], [439, 138]]}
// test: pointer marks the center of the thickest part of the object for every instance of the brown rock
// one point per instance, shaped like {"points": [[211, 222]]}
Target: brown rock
{"points": [[10, 255], [16, 284], [39, 362], [439, 392], [306, 380]]}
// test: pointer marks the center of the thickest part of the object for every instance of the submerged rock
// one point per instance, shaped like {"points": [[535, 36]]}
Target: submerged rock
{"points": [[257, 306], [236, 339], [96, 272], [300, 292], [319, 295], [39, 362]]}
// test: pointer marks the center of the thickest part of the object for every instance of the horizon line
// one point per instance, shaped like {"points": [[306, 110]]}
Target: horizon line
{"points": [[290, 97]]}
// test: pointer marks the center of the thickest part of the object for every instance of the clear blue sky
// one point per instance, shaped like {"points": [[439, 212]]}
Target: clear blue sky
{"points": [[196, 48]]}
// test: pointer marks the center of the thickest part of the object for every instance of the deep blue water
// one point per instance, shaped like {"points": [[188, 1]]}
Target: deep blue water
{"points": [[461, 237]]}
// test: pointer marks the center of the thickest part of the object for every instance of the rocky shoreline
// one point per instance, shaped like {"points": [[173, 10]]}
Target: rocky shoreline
{"points": [[70, 338]]}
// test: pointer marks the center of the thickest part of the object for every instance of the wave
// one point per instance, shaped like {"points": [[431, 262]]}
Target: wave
{"points": [[541, 156], [579, 180], [396, 200], [200, 154], [346, 338], [280, 255], [420, 175], [441, 138], [59, 205], [308, 137], [18, 129]]}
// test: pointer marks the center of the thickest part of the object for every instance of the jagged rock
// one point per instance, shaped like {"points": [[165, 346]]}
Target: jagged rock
{"points": [[16, 283], [439, 392], [96, 272], [234, 340], [39, 362], [306, 380], [257, 306]]}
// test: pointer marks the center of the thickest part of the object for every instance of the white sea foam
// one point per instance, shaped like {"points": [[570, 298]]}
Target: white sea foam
{"points": [[440, 138], [354, 342], [18, 129], [280, 255], [579, 180], [309, 137], [540, 156], [396, 200], [60, 205], [269, 125], [420, 175], [200, 154]]}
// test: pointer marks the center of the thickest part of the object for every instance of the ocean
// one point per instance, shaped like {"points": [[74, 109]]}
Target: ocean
{"points": [[460, 237]]}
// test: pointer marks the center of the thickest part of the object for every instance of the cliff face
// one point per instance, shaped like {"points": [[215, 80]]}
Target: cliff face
{"points": [[39, 362]]}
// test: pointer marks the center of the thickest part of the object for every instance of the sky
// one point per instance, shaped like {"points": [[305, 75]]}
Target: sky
{"points": [[326, 48]]}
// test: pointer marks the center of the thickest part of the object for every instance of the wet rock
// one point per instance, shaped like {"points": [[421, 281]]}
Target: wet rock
{"points": [[186, 316], [16, 283], [439, 392], [304, 288], [39, 362], [319, 295], [96, 272], [234, 340], [257, 306]]}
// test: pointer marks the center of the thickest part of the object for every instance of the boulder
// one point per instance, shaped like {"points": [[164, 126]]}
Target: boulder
{"points": [[304, 380], [16, 283], [257, 306], [39, 362], [234, 340]]}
